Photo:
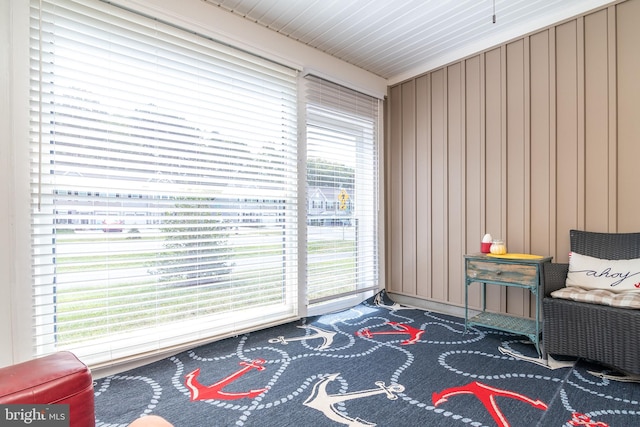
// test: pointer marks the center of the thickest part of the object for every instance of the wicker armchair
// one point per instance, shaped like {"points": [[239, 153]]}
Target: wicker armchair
{"points": [[608, 335]]}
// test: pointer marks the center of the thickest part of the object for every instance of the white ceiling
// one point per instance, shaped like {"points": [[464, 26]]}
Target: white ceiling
{"points": [[398, 39]]}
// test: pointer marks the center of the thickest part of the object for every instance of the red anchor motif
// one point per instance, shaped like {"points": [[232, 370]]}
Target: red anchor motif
{"points": [[401, 328], [487, 395], [214, 391], [584, 420]]}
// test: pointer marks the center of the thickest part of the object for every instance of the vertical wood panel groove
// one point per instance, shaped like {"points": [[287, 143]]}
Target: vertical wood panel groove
{"points": [[503, 142], [527, 145], [463, 144], [612, 142], [580, 36], [528, 306], [445, 185], [429, 159], [553, 149], [503, 163], [483, 146]]}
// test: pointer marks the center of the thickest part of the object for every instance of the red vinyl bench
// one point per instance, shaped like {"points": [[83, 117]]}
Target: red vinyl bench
{"points": [[59, 378]]}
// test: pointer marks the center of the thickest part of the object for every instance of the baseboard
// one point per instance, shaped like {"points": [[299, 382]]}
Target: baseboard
{"points": [[424, 304]]}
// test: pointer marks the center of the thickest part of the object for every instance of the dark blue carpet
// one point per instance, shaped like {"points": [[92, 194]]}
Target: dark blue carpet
{"points": [[375, 364]]}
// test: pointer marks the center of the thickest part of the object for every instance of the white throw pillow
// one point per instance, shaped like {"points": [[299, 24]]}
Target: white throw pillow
{"points": [[594, 273]]}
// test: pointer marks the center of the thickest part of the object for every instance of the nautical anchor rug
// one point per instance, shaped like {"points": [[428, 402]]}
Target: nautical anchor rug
{"points": [[378, 363]]}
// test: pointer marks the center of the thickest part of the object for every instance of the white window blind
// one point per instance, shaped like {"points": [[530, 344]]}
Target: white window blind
{"points": [[342, 191], [164, 184]]}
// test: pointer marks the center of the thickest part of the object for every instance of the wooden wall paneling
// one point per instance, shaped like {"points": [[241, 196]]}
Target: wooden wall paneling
{"points": [[516, 167], [493, 142], [540, 143], [474, 162], [628, 149], [423, 186], [567, 184], [438, 167], [409, 187], [524, 141], [455, 182], [517, 158], [528, 302], [394, 196], [494, 153], [596, 122]]}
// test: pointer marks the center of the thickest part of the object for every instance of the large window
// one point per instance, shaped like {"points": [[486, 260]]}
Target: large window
{"points": [[342, 191], [166, 186]]}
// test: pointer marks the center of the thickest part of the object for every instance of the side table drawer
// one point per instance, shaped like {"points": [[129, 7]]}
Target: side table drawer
{"points": [[481, 271]]}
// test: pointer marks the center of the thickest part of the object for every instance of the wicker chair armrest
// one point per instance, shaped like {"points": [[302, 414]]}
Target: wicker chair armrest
{"points": [[555, 276]]}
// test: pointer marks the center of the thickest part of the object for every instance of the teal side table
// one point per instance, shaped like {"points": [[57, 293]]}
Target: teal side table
{"points": [[523, 273]]}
